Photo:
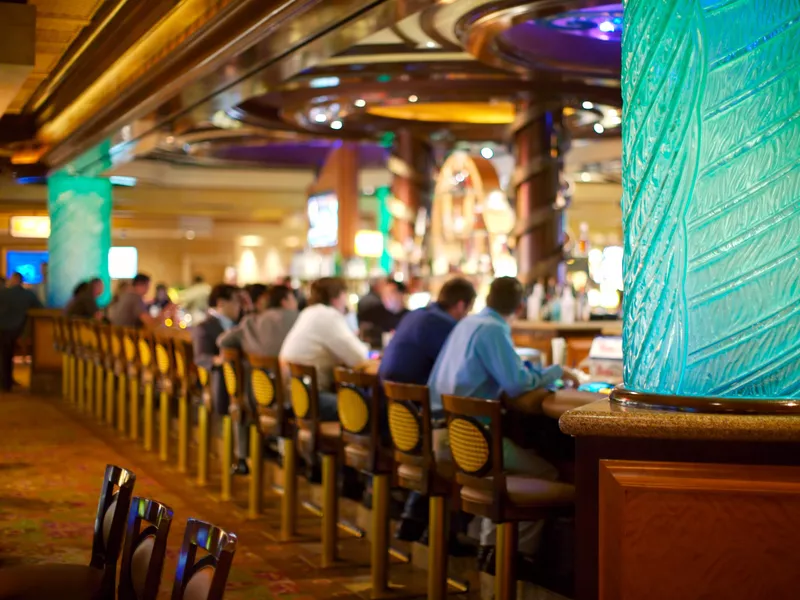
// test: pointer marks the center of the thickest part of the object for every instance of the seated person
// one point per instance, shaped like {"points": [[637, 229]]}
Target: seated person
{"points": [[479, 361], [130, 309], [410, 357], [83, 304], [263, 333], [321, 338], [161, 299], [385, 316], [224, 307]]}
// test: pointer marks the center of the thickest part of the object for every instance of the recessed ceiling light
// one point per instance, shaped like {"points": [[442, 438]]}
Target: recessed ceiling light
{"points": [[588, 105], [431, 45], [336, 125], [360, 103], [413, 98], [598, 128], [487, 152], [320, 118], [606, 27]]}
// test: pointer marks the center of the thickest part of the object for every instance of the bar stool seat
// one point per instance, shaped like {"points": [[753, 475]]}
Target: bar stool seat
{"points": [[527, 492], [330, 434], [414, 474]]}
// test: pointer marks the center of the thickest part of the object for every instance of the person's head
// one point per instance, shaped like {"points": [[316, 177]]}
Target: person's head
{"points": [[376, 285], [280, 296], [330, 291], [226, 300], [141, 284], [393, 294], [257, 291], [81, 288], [286, 282], [457, 297], [198, 279], [505, 297], [161, 292], [15, 280], [122, 287], [97, 287]]}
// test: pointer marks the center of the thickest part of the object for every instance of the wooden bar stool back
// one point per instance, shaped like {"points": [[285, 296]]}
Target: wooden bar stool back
{"points": [[145, 549], [105, 334], [411, 429], [185, 379], [130, 341], [475, 428], [145, 347], [203, 577], [116, 335], [165, 384]]}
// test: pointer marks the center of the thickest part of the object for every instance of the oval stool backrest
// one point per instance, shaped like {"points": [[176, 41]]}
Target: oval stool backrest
{"points": [[112, 509], [203, 578], [145, 549]]}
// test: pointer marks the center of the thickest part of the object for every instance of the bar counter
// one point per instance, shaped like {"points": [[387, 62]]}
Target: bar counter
{"points": [[684, 504], [579, 336]]}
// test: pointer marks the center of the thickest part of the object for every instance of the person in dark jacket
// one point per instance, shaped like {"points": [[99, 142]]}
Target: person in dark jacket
{"points": [[83, 304], [15, 302]]}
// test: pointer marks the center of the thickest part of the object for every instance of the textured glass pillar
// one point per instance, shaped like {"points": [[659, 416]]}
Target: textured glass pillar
{"points": [[711, 202], [80, 234]]}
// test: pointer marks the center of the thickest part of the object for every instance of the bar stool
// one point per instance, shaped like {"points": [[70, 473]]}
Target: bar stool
{"points": [[358, 400], [232, 377], [203, 379], [61, 342], [476, 440], [272, 420], [116, 335], [99, 352], [165, 384], [185, 379], [107, 360], [317, 437], [130, 338], [418, 470], [78, 370]]}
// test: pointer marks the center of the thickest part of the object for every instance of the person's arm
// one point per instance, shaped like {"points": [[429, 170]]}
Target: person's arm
{"points": [[203, 347], [345, 345], [496, 351], [233, 337]]}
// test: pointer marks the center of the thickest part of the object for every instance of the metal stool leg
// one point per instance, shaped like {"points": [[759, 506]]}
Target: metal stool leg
{"points": [[330, 510], [99, 391], [505, 581], [110, 398], [227, 458], [79, 389], [163, 427], [255, 502], [89, 397], [379, 549], [134, 402], [202, 445], [183, 433], [122, 410], [148, 416], [437, 548], [65, 375], [289, 498]]}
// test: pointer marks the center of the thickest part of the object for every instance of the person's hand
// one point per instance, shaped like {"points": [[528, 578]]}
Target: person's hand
{"points": [[570, 380], [218, 361]]}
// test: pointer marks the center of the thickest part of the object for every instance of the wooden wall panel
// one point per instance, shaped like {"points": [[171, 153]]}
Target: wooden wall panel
{"points": [[672, 531]]}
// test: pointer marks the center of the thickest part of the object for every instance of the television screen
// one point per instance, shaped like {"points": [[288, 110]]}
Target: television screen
{"points": [[323, 220], [123, 262], [28, 263]]}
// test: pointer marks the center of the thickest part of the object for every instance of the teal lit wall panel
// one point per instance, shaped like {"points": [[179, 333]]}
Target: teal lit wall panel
{"points": [[711, 202], [80, 234]]}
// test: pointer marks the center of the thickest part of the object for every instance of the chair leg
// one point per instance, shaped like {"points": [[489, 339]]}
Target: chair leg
{"points": [[163, 426], [256, 495], [89, 390], [379, 548], [79, 389], [110, 397], [330, 510], [227, 457], [122, 410], [202, 445], [183, 433], [65, 376], [149, 416], [437, 548], [505, 581], [134, 402], [289, 498], [99, 391]]}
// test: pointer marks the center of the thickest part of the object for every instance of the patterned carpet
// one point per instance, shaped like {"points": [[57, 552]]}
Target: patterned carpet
{"points": [[51, 469]]}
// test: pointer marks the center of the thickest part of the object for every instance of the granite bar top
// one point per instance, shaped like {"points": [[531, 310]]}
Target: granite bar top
{"points": [[609, 419]]}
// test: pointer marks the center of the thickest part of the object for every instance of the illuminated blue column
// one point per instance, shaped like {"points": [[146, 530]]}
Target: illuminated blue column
{"points": [[80, 234], [711, 202]]}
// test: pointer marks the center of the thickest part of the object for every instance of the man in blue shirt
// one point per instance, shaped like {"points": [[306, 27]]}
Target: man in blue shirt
{"points": [[410, 357], [479, 361]]}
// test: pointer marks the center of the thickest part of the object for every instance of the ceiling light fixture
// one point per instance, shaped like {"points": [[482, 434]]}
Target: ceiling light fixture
{"points": [[320, 118], [606, 27], [585, 177], [598, 128], [588, 105], [360, 103], [336, 125], [487, 152], [413, 98], [431, 45]]}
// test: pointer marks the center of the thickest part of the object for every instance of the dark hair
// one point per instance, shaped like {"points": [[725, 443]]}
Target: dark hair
{"points": [[198, 279], [140, 279], [505, 295], [255, 291], [222, 291], [456, 290], [277, 294], [401, 287], [81, 288], [327, 289], [18, 275], [94, 280]]}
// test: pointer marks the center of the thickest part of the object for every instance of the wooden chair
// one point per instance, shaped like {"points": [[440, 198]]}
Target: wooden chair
{"points": [[475, 430], [116, 335], [145, 550], [107, 392], [358, 400], [79, 582], [130, 340], [231, 423], [60, 345], [317, 437], [199, 378], [203, 578], [81, 356], [186, 382], [165, 385], [410, 425], [148, 374], [92, 362]]}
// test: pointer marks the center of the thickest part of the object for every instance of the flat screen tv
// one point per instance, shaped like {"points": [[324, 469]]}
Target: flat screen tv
{"points": [[26, 262], [323, 220]]}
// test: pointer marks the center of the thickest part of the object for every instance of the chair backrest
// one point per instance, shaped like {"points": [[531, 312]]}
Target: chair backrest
{"points": [[358, 400], [203, 578], [409, 413], [130, 339], [77, 334], [112, 511], [103, 339], [58, 338], [145, 350], [266, 386], [232, 374], [164, 360], [145, 549], [475, 428], [185, 370], [304, 392]]}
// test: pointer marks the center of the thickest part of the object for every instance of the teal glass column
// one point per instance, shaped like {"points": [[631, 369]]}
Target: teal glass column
{"points": [[80, 234], [711, 202]]}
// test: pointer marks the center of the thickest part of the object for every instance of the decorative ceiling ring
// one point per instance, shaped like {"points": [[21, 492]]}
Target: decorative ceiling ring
{"points": [[546, 35]]}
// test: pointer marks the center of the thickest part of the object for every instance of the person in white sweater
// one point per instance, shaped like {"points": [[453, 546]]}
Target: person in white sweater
{"points": [[321, 338]]}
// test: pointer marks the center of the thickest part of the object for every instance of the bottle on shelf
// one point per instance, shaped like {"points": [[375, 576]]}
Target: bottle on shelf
{"points": [[535, 301], [567, 305]]}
